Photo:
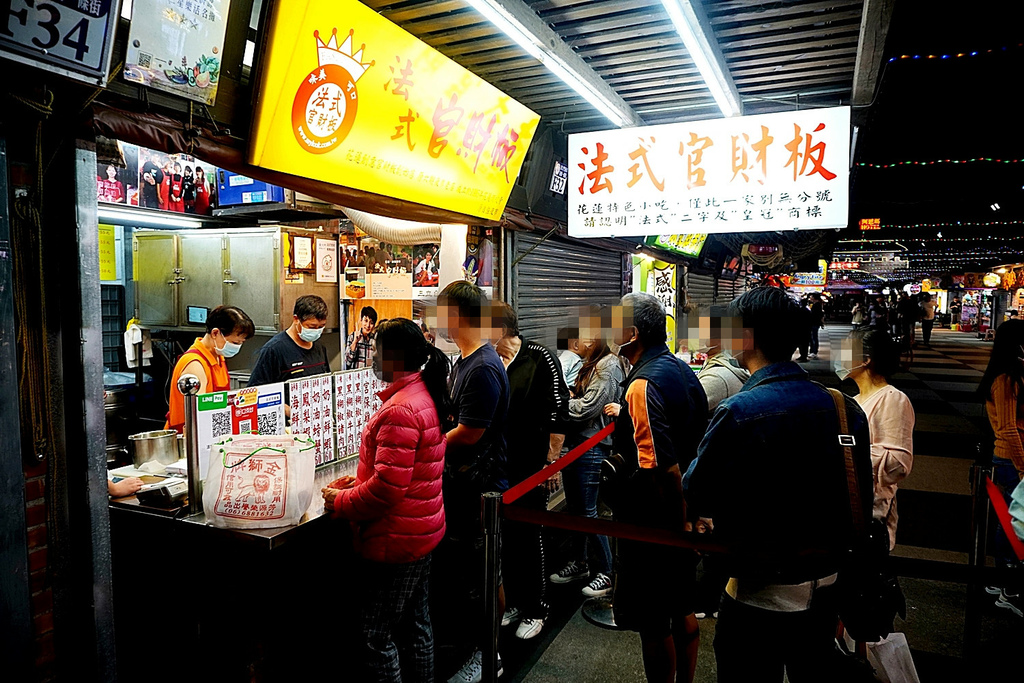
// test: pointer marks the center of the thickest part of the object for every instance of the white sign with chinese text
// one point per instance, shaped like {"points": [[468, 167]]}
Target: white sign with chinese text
{"points": [[786, 171], [311, 400], [356, 402]]}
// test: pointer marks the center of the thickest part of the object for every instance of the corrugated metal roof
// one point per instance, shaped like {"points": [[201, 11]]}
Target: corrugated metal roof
{"points": [[774, 51]]}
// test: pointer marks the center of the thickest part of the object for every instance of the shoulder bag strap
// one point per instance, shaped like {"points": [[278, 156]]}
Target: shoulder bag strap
{"points": [[846, 441]]}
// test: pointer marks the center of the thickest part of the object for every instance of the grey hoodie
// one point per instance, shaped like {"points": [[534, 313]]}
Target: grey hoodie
{"points": [[721, 377]]}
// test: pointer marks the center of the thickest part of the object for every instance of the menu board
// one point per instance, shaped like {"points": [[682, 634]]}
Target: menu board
{"points": [[356, 401], [311, 414], [254, 410]]}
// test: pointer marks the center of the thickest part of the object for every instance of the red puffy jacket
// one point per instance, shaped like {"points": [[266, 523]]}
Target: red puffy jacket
{"points": [[397, 496]]}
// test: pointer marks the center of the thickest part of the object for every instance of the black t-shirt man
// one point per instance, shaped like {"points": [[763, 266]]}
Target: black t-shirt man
{"points": [[151, 191], [282, 360], [479, 390]]}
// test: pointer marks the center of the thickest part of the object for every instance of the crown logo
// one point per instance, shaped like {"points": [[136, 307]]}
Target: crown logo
{"points": [[330, 53]]}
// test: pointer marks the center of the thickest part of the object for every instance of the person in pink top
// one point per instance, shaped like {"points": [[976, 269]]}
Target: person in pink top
{"points": [[872, 359], [395, 504]]}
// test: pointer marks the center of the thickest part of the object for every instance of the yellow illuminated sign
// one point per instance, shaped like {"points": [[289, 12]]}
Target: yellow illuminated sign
{"points": [[349, 98]]}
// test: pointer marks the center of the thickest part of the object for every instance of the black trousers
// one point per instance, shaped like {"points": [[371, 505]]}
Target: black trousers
{"points": [[523, 562], [926, 330], [758, 645]]}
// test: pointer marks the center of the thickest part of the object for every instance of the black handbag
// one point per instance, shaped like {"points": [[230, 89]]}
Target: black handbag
{"points": [[870, 597]]}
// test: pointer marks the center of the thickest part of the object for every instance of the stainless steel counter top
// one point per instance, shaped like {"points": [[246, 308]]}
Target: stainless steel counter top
{"points": [[271, 539]]}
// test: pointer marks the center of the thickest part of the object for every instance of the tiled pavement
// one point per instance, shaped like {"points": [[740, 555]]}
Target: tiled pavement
{"points": [[934, 505]]}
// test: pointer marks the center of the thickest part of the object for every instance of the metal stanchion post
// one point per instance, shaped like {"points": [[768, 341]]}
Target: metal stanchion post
{"points": [[978, 554], [491, 511], [188, 385]]}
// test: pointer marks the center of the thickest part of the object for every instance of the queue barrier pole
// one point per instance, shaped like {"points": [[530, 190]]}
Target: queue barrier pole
{"points": [[491, 504]]}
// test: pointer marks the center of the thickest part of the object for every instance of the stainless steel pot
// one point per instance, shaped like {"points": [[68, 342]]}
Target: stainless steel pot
{"points": [[161, 446]]}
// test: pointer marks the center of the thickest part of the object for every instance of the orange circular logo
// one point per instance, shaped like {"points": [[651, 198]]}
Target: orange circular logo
{"points": [[324, 108]]}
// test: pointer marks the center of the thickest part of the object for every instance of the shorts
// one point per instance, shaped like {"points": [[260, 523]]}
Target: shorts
{"points": [[655, 587]]}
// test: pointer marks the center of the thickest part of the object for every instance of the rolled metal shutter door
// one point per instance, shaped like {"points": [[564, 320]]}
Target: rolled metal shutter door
{"points": [[550, 284], [700, 291]]}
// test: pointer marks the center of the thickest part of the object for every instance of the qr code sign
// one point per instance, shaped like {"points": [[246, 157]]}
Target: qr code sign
{"points": [[145, 60], [221, 424], [267, 423]]}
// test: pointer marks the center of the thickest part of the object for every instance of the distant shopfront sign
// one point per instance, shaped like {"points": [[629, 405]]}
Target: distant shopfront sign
{"points": [[870, 223], [743, 174], [74, 38], [349, 98]]}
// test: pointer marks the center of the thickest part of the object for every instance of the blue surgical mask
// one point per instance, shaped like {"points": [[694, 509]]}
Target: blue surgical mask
{"points": [[310, 335], [229, 350]]}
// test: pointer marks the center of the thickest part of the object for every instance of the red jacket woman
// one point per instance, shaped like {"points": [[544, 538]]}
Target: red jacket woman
{"points": [[397, 494], [396, 500]]}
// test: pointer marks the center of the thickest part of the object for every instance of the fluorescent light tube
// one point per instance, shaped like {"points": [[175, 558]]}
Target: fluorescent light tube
{"points": [[147, 218], [511, 27], [699, 47]]}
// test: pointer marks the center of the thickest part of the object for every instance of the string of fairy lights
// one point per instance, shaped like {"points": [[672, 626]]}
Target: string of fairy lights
{"points": [[932, 162], [959, 55]]}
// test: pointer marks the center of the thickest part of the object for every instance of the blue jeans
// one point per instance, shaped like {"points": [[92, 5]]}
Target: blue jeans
{"points": [[1006, 477], [582, 482], [814, 340]]}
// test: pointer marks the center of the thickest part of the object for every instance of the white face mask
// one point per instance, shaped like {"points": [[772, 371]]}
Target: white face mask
{"points": [[307, 334], [843, 373], [229, 349]]}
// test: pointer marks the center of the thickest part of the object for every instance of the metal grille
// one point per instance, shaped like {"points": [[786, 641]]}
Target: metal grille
{"points": [[112, 300], [700, 291], [550, 284]]}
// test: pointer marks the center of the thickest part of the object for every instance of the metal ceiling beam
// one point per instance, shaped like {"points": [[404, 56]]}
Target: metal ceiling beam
{"points": [[553, 44], [695, 31], [874, 27]]}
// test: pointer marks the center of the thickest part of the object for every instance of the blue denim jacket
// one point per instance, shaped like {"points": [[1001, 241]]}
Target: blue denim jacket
{"points": [[770, 472]]}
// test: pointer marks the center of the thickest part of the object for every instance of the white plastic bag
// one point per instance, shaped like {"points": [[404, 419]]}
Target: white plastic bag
{"points": [[259, 482], [891, 660]]}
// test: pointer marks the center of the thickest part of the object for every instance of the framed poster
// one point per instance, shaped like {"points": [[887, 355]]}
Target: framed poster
{"points": [[176, 46], [326, 260]]}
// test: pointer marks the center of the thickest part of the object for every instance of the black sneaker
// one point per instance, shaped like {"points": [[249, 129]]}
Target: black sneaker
{"points": [[574, 571]]}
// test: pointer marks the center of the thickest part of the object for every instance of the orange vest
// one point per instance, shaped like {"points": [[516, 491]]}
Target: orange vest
{"points": [[216, 380]]}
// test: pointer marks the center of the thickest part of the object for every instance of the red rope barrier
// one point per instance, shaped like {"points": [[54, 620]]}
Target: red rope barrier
{"points": [[1003, 515], [531, 482]]}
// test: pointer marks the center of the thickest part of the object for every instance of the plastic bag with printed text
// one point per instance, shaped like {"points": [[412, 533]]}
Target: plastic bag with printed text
{"points": [[259, 482]]}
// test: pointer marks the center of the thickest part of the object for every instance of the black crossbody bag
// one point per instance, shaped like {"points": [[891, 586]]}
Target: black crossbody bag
{"points": [[869, 595]]}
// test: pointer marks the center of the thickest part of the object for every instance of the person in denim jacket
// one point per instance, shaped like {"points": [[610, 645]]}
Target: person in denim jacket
{"points": [[770, 476]]}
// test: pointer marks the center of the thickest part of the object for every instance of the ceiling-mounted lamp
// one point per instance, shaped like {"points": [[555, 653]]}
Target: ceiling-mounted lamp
{"points": [[704, 52], [535, 47]]}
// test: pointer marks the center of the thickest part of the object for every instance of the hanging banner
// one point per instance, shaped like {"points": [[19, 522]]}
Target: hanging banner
{"points": [[74, 38], [757, 173], [176, 46], [348, 96]]}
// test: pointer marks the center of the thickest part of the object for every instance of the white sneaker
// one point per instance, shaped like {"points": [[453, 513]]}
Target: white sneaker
{"points": [[599, 587], [472, 670], [510, 617], [529, 628]]}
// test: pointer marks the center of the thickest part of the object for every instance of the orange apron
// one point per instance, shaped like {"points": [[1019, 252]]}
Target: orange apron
{"points": [[216, 380]]}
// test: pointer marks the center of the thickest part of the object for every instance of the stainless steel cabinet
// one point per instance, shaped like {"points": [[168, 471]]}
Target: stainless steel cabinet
{"points": [[250, 259], [156, 274], [207, 268]]}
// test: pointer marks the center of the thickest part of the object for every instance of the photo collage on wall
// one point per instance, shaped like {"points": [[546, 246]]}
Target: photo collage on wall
{"points": [[179, 183]]}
